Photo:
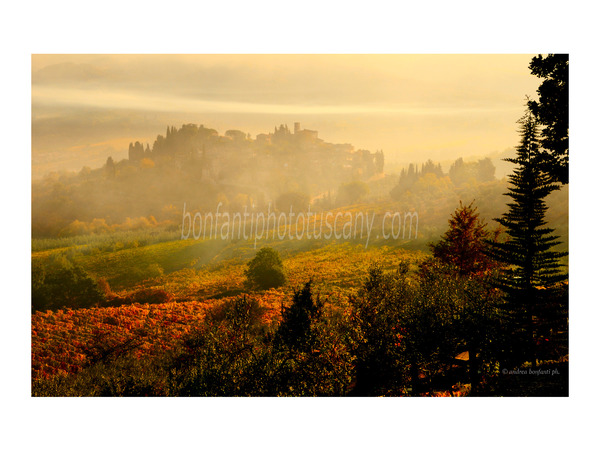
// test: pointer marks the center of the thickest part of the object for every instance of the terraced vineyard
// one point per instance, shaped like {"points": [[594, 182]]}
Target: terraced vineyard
{"points": [[65, 341]]}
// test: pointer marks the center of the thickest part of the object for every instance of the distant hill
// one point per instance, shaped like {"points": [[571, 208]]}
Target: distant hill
{"points": [[195, 165]]}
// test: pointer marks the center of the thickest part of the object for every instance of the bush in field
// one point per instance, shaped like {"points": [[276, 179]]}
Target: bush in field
{"points": [[59, 283], [242, 314], [265, 271]]}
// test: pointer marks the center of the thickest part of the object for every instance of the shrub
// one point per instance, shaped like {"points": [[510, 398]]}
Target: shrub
{"points": [[60, 284], [265, 271]]}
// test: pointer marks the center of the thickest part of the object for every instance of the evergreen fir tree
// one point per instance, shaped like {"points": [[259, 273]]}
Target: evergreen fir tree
{"points": [[533, 268], [297, 328]]}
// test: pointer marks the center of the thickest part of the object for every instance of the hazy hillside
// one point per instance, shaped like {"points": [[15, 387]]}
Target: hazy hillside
{"points": [[264, 260]]}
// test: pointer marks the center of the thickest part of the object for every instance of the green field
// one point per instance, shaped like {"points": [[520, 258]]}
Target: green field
{"points": [[191, 269]]}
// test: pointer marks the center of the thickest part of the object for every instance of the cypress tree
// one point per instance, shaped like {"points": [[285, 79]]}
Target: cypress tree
{"points": [[533, 269], [110, 169]]}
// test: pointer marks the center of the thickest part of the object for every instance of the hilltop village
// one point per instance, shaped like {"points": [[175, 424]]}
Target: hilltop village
{"points": [[197, 166], [237, 158]]}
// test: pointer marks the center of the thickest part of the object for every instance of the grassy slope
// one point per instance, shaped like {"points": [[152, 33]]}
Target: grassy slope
{"points": [[204, 269]]}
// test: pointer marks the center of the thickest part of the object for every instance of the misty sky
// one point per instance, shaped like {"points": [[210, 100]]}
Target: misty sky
{"points": [[413, 107]]}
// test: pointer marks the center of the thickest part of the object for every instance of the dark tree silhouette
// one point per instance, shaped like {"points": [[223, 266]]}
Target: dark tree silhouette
{"points": [[552, 111], [533, 267], [296, 330]]}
